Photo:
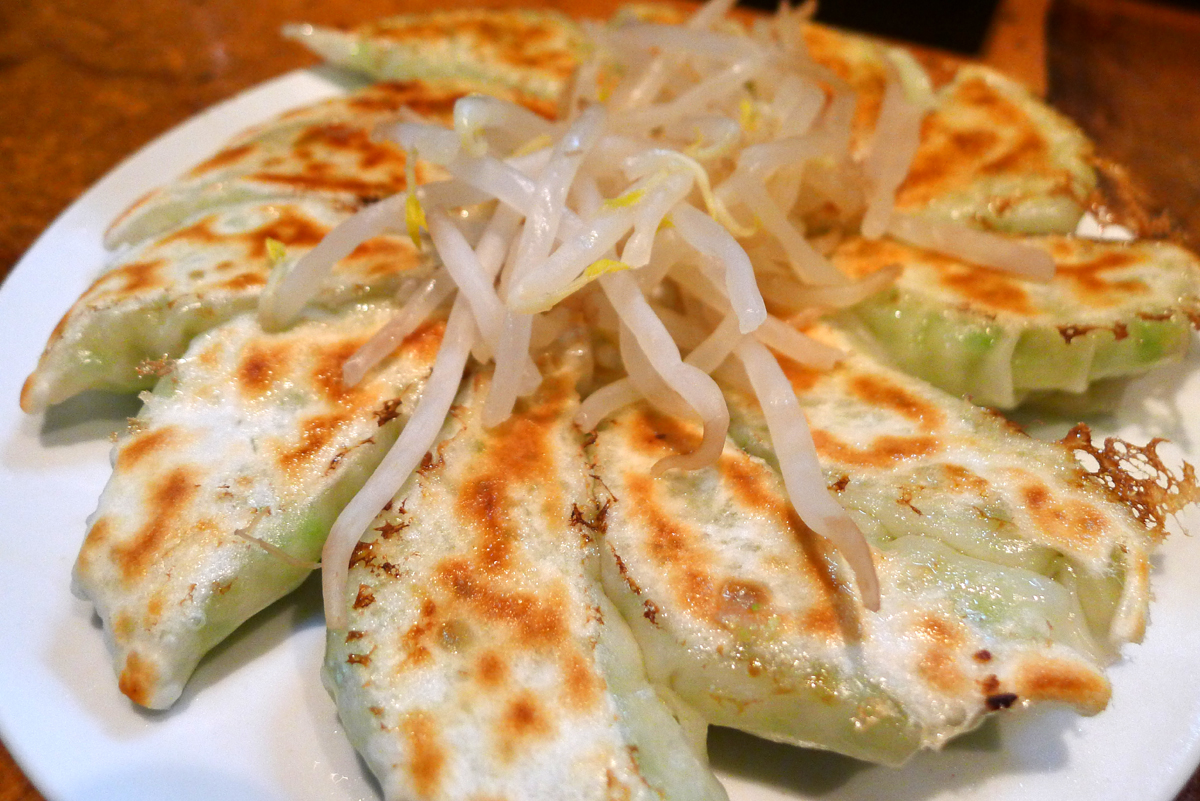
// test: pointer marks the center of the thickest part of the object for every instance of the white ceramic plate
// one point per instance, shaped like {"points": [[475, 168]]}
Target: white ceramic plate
{"points": [[255, 722]]}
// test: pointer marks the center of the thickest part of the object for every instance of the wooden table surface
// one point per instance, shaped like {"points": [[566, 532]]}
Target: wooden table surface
{"points": [[85, 83]]}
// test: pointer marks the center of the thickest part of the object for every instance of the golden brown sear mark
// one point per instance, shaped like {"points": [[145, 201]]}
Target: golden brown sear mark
{"points": [[316, 434], [517, 42], [413, 642], [884, 451], [1049, 679], [988, 288], [427, 754], [138, 678], [169, 499], [524, 719], [143, 445], [536, 619], [261, 367], [1089, 280], [938, 665], [224, 158], [952, 154], [878, 392], [1072, 524], [129, 279]]}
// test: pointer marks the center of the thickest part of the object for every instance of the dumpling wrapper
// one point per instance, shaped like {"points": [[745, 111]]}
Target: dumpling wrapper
{"points": [[149, 303], [252, 433], [531, 51], [482, 659], [1112, 310], [991, 156], [194, 252], [1008, 576], [326, 150], [995, 157]]}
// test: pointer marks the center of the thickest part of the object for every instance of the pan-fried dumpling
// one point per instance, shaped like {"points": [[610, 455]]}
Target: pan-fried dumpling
{"points": [[195, 251], [481, 657], [1112, 310], [325, 150], [225, 487], [151, 301], [1008, 576], [531, 51], [995, 157], [991, 155]]}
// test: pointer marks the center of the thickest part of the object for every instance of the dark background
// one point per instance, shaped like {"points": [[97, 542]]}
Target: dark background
{"points": [[951, 25], [957, 26]]}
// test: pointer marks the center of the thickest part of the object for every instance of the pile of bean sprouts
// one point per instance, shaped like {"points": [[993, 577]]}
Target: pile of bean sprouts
{"points": [[692, 162]]}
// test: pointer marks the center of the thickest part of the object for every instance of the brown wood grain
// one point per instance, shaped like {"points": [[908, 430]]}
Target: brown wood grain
{"points": [[1016, 42], [85, 83], [13, 784], [1129, 74]]}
